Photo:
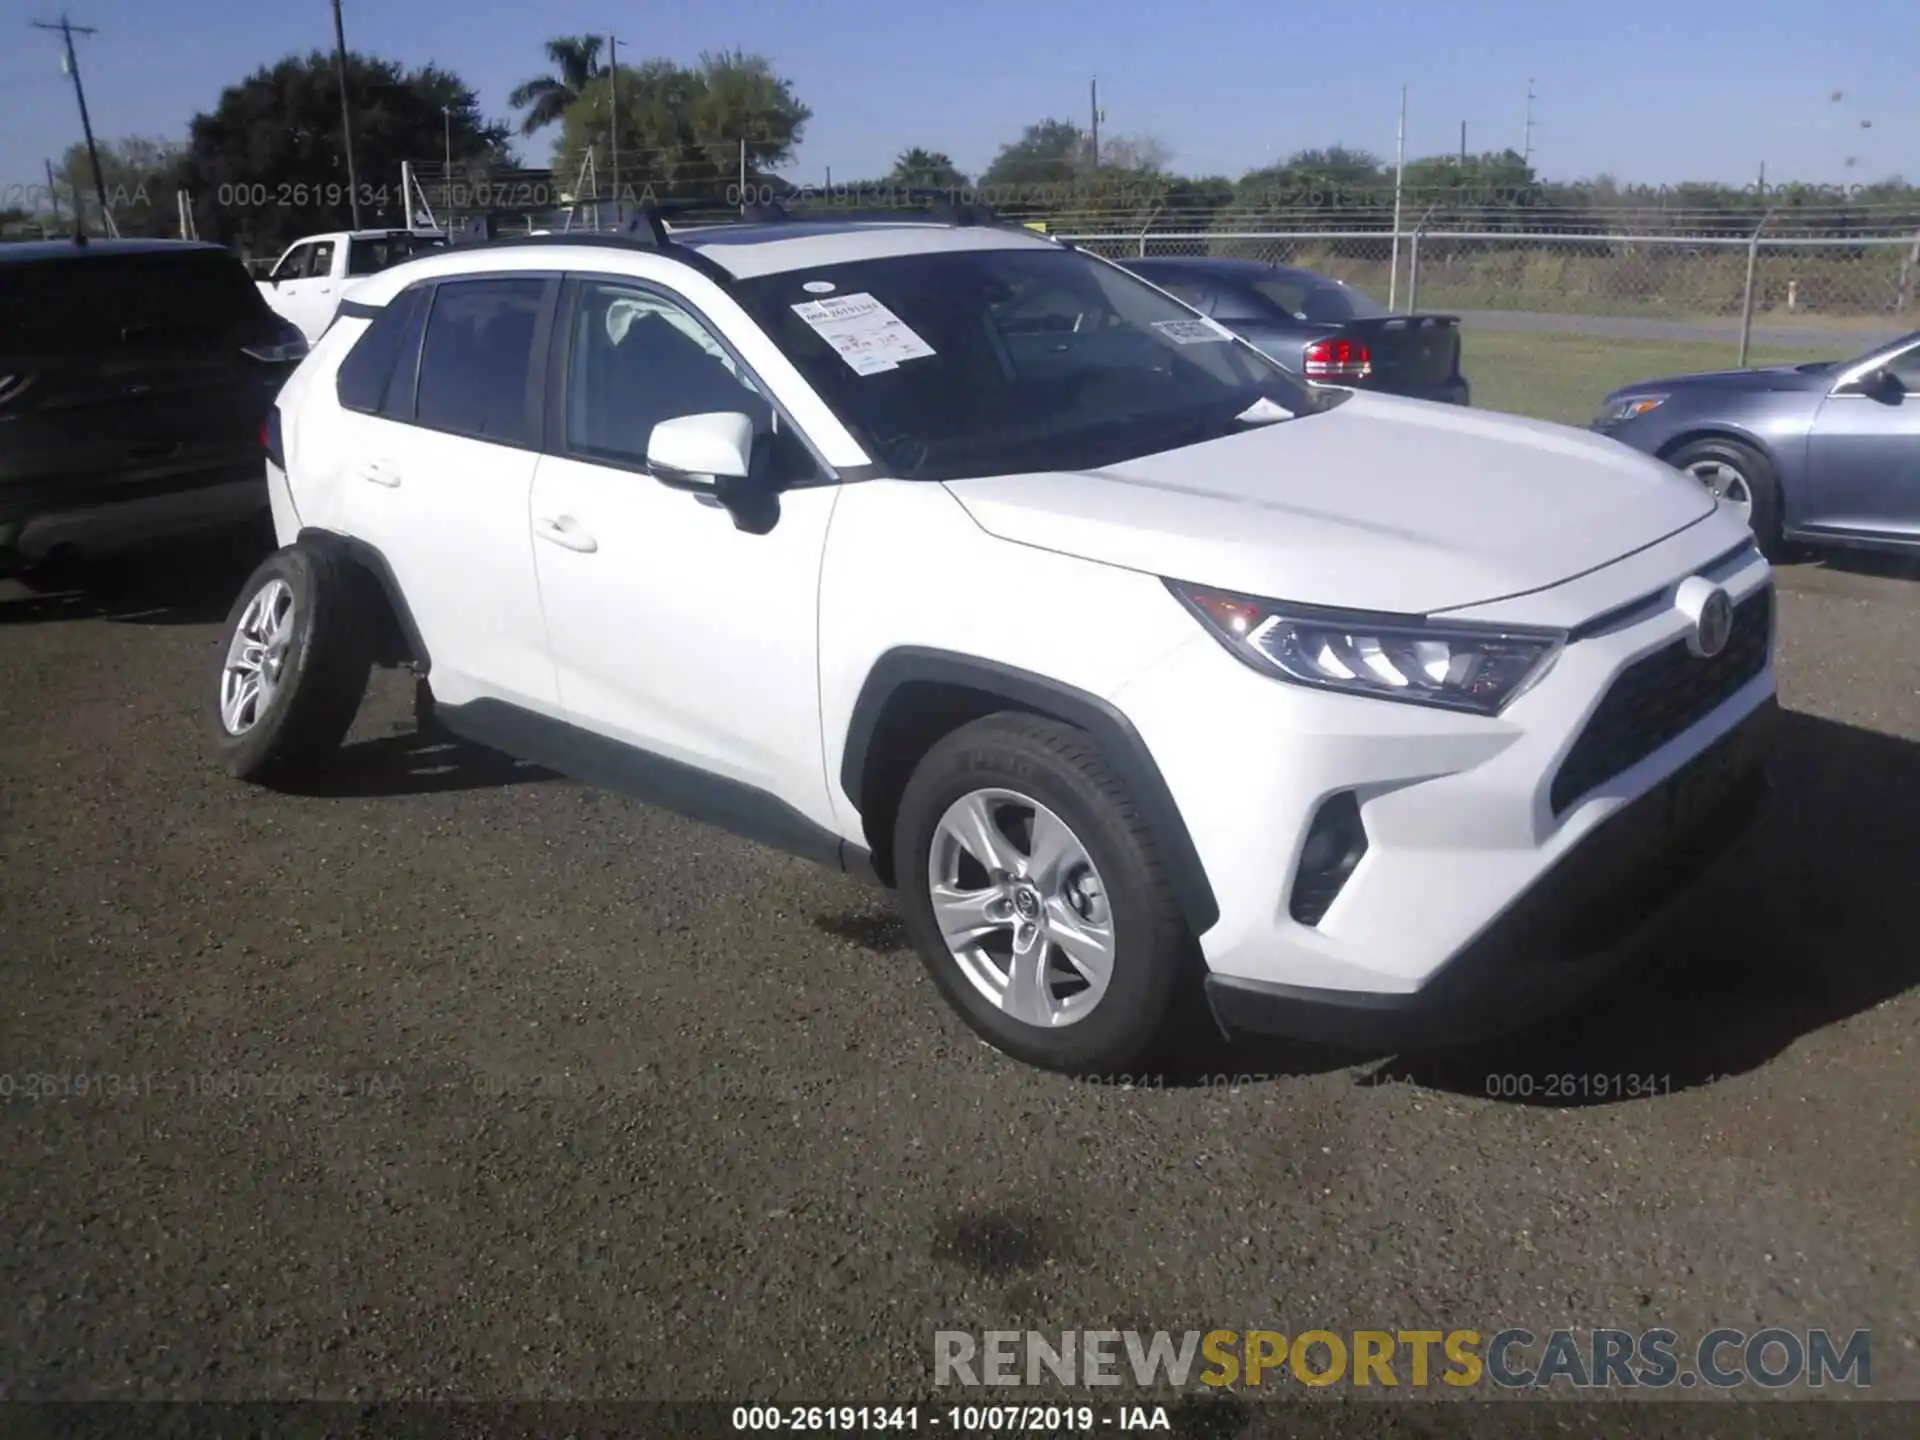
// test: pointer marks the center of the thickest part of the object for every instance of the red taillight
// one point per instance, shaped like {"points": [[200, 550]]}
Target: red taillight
{"points": [[1338, 360], [266, 437]]}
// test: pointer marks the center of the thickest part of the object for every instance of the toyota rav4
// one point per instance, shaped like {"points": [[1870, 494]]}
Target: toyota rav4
{"points": [[966, 561]]}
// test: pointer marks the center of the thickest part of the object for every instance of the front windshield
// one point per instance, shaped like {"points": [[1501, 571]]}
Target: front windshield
{"points": [[1004, 361]]}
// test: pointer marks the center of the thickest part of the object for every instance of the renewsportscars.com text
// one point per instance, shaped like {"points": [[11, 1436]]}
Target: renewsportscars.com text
{"points": [[1508, 1359]]}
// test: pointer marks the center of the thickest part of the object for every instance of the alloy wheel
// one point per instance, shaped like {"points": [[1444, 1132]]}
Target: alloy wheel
{"points": [[1022, 907], [1727, 485], [256, 656]]}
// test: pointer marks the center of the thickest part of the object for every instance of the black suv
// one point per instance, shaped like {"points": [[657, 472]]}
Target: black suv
{"points": [[135, 379]]}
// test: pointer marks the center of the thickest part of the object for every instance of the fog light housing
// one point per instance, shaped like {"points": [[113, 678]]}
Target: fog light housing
{"points": [[1336, 841]]}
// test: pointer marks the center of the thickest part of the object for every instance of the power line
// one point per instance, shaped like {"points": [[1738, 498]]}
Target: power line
{"points": [[67, 31]]}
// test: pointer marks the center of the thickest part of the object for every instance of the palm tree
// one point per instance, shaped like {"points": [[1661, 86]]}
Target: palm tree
{"points": [[547, 98]]}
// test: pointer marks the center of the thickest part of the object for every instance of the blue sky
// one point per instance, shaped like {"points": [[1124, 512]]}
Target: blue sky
{"points": [[1663, 92]]}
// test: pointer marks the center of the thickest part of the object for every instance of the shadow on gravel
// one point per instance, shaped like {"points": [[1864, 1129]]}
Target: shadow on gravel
{"points": [[189, 582], [1865, 562], [1806, 927], [415, 764]]}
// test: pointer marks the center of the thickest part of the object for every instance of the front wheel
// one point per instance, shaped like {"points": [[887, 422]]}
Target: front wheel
{"points": [[1036, 896], [293, 665], [1740, 478]]}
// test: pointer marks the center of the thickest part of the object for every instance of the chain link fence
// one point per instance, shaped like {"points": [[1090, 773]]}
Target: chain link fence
{"points": [[1556, 318]]}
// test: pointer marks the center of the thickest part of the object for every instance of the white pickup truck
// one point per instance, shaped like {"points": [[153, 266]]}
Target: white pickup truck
{"points": [[309, 281]]}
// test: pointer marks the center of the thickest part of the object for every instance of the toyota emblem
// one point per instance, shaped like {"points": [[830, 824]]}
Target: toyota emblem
{"points": [[1711, 611]]}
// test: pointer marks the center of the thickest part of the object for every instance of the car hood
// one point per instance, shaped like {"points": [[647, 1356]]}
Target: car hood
{"points": [[1815, 378], [1377, 504]]}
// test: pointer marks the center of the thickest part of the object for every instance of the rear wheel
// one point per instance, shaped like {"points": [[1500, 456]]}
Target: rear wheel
{"points": [[1035, 895], [293, 666], [1742, 479]]}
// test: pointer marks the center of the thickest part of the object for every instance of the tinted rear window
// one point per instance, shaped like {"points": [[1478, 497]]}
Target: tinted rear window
{"points": [[370, 257], [90, 303]]}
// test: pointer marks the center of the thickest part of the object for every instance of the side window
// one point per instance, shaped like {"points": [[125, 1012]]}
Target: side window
{"points": [[320, 261], [293, 264], [477, 357], [1235, 303], [369, 373], [1187, 292], [634, 359], [365, 257]]}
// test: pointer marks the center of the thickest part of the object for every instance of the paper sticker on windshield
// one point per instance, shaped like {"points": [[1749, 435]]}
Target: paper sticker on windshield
{"points": [[1262, 411], [1191, 332], [868, 336]]}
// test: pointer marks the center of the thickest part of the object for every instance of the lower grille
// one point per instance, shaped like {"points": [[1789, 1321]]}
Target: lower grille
{"points": [[1659, 697]]}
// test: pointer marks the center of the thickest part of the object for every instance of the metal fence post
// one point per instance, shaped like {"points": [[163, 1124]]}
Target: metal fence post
{"points": [[1413, 261], [1146, 226], [1746, 305], [1903, 294]]}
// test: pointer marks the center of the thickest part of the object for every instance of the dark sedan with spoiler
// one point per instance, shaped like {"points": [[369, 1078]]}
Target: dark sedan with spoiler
{"points": [[1323, 330]]}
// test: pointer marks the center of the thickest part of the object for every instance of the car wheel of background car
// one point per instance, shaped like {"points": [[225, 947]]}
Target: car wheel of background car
{"points": [[1741, 477], [294, 666], [1035, 894]]}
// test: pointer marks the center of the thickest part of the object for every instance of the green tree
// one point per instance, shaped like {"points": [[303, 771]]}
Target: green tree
{"points": [[929, 169], [547, 98], [681, 129], [142, 178], [1049, 153], [267, 164]]}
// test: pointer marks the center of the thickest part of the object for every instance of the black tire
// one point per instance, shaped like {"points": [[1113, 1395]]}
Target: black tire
{"points": [[1756, 473], [1155, 955], [323, 673]]}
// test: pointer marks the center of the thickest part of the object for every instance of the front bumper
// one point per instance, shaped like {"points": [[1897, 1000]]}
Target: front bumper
{"points": [[1464, 816], [1589, 915]]}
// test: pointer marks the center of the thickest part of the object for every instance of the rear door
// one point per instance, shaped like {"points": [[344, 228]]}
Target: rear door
{"points": [[128, 369], [1864, 457], [439, 460]]}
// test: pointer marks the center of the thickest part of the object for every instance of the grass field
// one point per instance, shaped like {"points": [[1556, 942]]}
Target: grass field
{"points": [[1559, 376]]}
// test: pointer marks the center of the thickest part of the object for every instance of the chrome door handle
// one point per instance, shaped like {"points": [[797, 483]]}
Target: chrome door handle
{"points": [[565, 532], [378, 474]]}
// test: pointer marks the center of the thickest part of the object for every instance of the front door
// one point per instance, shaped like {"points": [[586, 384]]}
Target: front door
{"points": [[672, 629], [1864, 457]]}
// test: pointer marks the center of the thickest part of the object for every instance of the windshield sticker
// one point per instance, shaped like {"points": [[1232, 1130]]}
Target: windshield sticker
{"points": [[868, 336], [1262, 411], [819, 287], [1192, 332]]}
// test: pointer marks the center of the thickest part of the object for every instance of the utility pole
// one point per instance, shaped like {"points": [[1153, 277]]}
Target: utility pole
{"points": [[613, 131], [1463, 145], [447, 111], [1399, 177], [67, 32], [346, 112], [743, 174], [1526, 141], [1093, 108]]}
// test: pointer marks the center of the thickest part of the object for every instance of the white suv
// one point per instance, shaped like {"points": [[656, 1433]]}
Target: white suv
{"points": [[951, 555]]}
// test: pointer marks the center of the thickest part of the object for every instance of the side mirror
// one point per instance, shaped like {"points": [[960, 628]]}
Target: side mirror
{"points": [[1880, 384], [698, 452]]}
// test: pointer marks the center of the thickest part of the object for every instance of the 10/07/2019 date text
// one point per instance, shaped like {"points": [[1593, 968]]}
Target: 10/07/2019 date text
{"points": [[962, 1419]]}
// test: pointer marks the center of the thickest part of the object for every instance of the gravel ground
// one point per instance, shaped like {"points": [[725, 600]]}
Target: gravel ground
{"points": [[460, 1080]]}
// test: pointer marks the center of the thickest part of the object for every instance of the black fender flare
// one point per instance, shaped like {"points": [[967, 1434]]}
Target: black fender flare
{"points": [[1022, 689], [368, 559]]}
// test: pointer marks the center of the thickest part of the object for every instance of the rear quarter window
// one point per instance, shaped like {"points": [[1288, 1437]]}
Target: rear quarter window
{"points": [[370, 379]]}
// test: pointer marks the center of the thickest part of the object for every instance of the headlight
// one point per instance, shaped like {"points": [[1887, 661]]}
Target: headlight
{"points": [[1629, 407], [1477, 668]]}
